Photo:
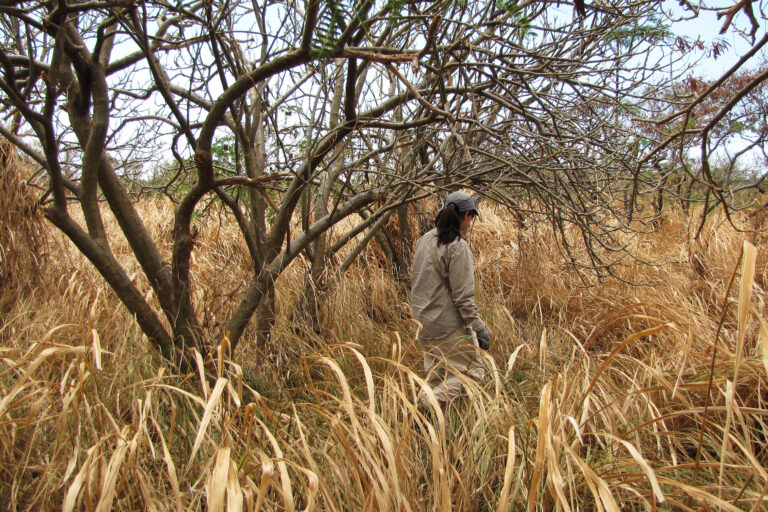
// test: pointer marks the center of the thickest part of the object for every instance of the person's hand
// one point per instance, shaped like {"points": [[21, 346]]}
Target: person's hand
{"points": [[484, 339]]}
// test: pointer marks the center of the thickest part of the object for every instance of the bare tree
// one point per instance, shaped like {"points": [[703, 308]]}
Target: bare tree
{"points": [[323, 111], [704, 139]]}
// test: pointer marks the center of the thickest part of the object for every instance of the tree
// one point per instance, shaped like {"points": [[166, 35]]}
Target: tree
{"points": [[730, 114], [327, 110], [696, 124]]}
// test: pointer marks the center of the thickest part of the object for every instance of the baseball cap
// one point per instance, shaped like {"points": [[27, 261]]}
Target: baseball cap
{"points": [[463, 202]]}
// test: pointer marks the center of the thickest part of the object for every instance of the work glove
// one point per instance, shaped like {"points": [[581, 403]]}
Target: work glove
{"points": [[483, 339]]}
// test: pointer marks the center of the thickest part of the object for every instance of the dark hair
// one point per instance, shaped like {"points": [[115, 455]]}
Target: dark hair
{"points": [[448, 222]]}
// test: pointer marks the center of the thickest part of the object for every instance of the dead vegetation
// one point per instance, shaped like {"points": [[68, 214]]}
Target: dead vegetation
{"points": [[22, 233], [611, 397]]}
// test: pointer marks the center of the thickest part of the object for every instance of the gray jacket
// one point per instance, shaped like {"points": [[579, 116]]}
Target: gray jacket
{"points": [[443, 287]]}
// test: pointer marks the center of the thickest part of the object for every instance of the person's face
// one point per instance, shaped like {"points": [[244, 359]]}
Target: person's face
{"points": [[465, 221]]}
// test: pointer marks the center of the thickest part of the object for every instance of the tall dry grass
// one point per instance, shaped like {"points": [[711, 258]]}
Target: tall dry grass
{"points": [[613, 397], [22, 231]]}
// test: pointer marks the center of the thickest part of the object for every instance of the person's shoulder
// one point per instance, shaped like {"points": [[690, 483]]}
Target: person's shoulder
{"points": [[458, 245], [429, 234], [424, 239]]}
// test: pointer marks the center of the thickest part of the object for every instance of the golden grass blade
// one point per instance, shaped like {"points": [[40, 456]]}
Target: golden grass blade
{"points": [[94, 303], [96, 344], [72, 464], [433, 402], [543, 349], [754, 464], [248, 492], [267, 474], [170, 467], [659, 377], [586, 410], [314, 482], [361, 473], [620, 347], [613, 316], [575, 340], [368, 380], [234, 394], [234, 490], [239, 374], [436, 437], [729, 403], [207, 415], [745, 295], [749, 257], [70, 499], [347, 394], [513, 359], [32, 368], [445, 498], [146, 494], [186, 394], [218, 480], [146, 414], [763, 342], [555, 480], [282, 467], [493, 371], [398, 347], [412, 411], [385, 437], [700, 494], [576, 429], [508, 471], [600, 490], [201, 373], [684, 363], [542, 424], [335, 490], [220, 353], [304, 444], [109, 482], [647, 469]]}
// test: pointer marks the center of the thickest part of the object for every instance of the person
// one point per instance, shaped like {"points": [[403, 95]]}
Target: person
{"points": [[443, 301]]}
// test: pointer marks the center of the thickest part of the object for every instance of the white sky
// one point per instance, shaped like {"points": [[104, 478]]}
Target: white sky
{"points": [[707, 27]]}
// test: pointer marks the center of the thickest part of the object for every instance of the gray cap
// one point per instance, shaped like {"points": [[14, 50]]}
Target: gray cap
{"points": [[462, 201]]}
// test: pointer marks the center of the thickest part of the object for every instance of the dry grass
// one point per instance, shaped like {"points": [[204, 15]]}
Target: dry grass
{"points": [[608, 398], [22, 232]]}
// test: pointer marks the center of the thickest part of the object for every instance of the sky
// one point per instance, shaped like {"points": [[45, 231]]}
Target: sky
{"points": [[707, 27]]}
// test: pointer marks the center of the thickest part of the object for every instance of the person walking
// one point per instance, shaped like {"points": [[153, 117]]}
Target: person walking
{"points": [[443, 301]]}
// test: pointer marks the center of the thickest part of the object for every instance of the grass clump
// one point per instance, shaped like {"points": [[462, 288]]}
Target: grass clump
{"points": [[610, 397]]}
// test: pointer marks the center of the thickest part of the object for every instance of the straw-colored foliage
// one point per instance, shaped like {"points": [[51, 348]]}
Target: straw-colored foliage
{"points": [[22, 232], [609, 397]]}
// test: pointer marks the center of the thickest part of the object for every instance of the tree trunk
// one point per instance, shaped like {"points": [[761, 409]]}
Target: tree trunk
{"points": [[265, 316], [686, 197], [405, 243], [315, 286], [658, 202]]}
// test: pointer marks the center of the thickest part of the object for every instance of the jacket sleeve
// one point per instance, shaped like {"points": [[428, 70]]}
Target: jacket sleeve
{"points": [[461, 278]]}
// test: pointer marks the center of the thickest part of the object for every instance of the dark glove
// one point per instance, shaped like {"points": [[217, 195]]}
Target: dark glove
{"points": [[483, 339]]}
